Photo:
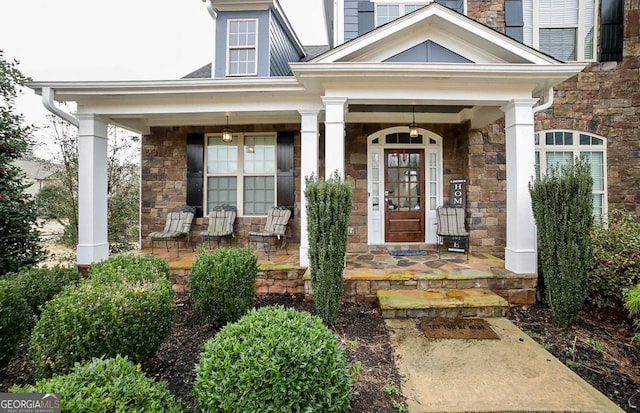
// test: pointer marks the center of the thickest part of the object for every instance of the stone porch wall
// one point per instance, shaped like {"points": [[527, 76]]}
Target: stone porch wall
{"points": [[164, 177]]}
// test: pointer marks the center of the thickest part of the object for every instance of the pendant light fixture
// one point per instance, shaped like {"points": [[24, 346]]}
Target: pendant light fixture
{"points": [[227, 134], [413, 126]]}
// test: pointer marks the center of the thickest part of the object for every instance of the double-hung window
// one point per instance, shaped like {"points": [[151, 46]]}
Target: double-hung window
{"points": [[242, 47], [387, 11], [242, 173], [560, 147], [564, 29]]}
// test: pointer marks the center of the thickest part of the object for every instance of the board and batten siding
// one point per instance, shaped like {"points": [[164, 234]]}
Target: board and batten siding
{"points": [[282, 50]]}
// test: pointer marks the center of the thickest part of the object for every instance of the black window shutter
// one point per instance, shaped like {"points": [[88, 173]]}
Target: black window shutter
{"points": [[514, 21], [285, 177], [457, 5], [366, 15], [195, 171], [611, 30]]}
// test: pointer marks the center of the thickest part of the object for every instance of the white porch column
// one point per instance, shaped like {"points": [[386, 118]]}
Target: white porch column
{"points": [[308, 166], [334, 135], [521, 250], [92, 190]]}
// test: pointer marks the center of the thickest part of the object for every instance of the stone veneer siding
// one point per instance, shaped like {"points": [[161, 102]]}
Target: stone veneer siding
{"points": [[164, 177]]}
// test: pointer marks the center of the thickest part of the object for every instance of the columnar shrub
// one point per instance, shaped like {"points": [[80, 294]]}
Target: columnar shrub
{"points": [[39, 285], [223, 284], [563, 210], [130, 268], [107, 385], [96, 320], [14, 319], [273, 360], [328, 211], [616, 254], [632, 304]]}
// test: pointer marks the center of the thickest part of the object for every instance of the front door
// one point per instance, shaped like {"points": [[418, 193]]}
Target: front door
{"points": [[404, 195]]}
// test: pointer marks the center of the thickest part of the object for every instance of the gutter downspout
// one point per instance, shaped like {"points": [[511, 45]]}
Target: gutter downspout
{"points": [[214, 15], [48, 97], [548, 101]]}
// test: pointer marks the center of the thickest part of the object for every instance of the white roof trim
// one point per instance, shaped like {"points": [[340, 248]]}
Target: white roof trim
{"points": [[437, 18]]}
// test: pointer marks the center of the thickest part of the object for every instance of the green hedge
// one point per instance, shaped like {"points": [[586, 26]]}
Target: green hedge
{"points": [[39, 285], [273, 360], [14, 319], [632, 304], [130, 268], [616, 264], [222, 284], [111, 385], [96, 320]]}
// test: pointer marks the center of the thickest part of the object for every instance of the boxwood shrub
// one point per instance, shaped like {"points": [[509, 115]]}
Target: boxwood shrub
{"points": [[223, 284], [111, 385], [39, 285], [130, 268], [273, 360], [95, 320], [14, 319]]}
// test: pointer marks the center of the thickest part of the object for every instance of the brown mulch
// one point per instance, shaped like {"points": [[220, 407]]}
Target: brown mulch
{"points": [[598, 348]]}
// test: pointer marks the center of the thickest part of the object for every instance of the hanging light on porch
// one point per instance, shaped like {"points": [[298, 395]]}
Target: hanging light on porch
{"points": [[413, 126], [227, 134]]}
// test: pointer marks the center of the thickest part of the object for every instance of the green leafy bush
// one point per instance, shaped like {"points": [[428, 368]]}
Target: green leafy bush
{"points": [[632, 304], [273, 360], [616, 263], [14, 319], [107, 385], [223, 284], [130, 268], [563, 210], [328, 211], [39, 285], [96, 320]]}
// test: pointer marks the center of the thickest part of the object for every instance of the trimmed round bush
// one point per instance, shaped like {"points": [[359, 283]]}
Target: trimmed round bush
{"points": [[273, 360], [96, 320], [223, 284], [111, 385], [39, 285], [14, 319], [129, 268]]}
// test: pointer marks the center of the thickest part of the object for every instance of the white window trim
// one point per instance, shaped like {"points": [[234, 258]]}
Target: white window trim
{"points": [[580, 33], [239, 138], [254, 47], [542, 148]]}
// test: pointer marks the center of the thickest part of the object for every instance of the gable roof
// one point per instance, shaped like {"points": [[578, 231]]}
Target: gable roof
{"points": [[439, 24]]}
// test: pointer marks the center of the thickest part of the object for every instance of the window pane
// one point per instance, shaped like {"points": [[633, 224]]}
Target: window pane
{"points": [[242, 61], [559, 43], [242, 33], [259, 194], [259, 154], [558, 13], [589, 18], [222, 157], [408, 8], [558, 159], [386, 13], [221, 190], [596, 159], [597, 204]]}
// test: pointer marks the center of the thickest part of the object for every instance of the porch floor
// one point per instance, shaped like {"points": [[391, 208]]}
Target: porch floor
{"points": [[378, 269]]}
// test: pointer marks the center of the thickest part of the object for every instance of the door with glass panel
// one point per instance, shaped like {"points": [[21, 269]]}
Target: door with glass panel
{"points": [[404, 192]]}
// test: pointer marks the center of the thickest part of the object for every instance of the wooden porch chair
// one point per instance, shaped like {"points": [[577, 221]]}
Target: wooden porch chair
{"points": [[178, 226], [451, 226], [275, 228], [221, 221]]}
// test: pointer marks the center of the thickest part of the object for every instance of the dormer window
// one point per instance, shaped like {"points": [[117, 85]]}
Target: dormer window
{"points": [[242, 45]]}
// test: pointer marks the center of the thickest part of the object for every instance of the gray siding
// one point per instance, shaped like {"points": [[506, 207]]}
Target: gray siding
{"points": [[282, 50], [428, 52], [221, 40], [350, 19]]}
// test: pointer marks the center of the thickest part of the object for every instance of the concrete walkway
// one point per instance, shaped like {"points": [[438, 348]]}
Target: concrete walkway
{"points": [[512, 374]]}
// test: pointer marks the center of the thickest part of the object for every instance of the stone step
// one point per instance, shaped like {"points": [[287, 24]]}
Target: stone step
{"points": [[446, 303]]}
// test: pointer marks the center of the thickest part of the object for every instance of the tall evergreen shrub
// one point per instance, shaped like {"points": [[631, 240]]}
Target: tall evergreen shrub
{"points": [[328, 211], [563, 210]]}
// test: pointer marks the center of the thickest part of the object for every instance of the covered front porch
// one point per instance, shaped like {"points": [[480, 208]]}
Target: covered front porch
{"points": [[379, 269]]}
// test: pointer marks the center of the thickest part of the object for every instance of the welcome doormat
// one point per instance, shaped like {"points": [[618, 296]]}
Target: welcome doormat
{"points": [[400, 253], [457, 328]]}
